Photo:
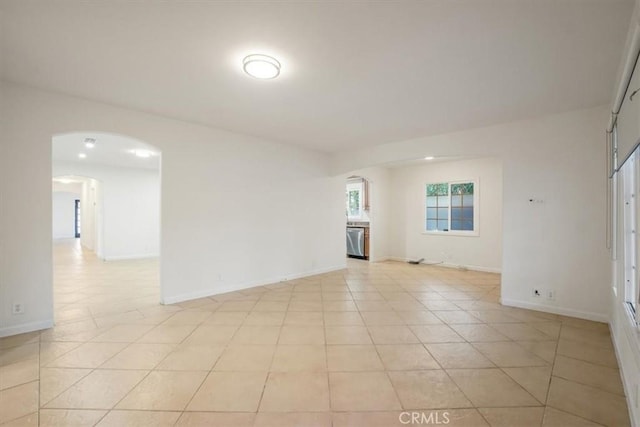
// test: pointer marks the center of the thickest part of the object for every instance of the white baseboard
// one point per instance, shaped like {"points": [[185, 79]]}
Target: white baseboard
{"points": [[247, 285], [130, 257], [449, 265], [587, 315], [26, 327]]}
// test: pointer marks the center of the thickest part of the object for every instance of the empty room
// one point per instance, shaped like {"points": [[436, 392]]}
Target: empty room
{"points": [[319, 213]]}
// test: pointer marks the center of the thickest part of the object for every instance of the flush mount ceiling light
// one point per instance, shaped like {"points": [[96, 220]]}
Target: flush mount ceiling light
{"points": [[89, 142], [82, 156], [429, 158], [145, 154], [261, 66]]}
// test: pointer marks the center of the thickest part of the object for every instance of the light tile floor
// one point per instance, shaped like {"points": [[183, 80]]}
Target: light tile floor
{"points": [[352, 348]]}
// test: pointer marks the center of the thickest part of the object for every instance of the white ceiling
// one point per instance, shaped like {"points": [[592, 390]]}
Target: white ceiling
{"points": [[354, 74], [110, 150]]}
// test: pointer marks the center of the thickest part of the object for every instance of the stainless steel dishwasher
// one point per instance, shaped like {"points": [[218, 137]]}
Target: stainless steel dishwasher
{"points": [[355, 241]]}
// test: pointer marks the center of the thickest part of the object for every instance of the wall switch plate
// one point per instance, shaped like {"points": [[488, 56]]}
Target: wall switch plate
{"points": [[17, 308], [536, 292]]}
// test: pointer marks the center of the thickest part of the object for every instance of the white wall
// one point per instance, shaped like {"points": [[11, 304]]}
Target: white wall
{"points": [[409, 241], [236, 211], [129, 208], [289, 219], [91, 220], [64, 214], [557, 244]]}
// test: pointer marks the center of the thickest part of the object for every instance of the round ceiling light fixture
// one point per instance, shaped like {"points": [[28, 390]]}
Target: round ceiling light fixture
{"points": [[261, 66]]}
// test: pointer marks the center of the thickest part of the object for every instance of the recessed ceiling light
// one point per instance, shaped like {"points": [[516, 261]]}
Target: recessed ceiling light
{"points": [[429, 158], [89, 142], [261, 66], [82, 155], [142, 153]]}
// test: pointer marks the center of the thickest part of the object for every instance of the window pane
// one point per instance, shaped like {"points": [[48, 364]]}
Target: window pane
{"points": [[469, 188], [464, 188], [441, 189], [456, 213], [353, 202], [457, 198]]}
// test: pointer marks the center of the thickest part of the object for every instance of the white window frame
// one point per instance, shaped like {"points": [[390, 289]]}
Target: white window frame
{"points": [[476, 209], [355, 186], [630, 183]]}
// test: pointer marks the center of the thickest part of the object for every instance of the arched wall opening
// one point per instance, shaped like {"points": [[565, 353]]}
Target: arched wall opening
{"points": [[112, 183], [237, 211]]}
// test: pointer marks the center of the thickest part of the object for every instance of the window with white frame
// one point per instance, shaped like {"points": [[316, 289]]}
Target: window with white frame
{"points": [[355, 199], [452, 207], [630, 178]]}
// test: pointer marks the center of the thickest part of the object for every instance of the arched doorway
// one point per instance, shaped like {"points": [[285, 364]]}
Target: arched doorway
{"points": [[111, 269]]}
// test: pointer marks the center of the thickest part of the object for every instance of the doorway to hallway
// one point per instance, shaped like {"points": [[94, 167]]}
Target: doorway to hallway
{"points": [[106, 221]]}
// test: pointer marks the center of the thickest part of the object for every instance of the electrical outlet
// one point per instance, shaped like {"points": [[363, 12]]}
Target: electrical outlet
{"points": [[536, 293], [551, 294], [17, 308]]}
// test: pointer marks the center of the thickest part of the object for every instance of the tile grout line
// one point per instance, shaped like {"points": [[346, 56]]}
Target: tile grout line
{"points": [[129, 344]]}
